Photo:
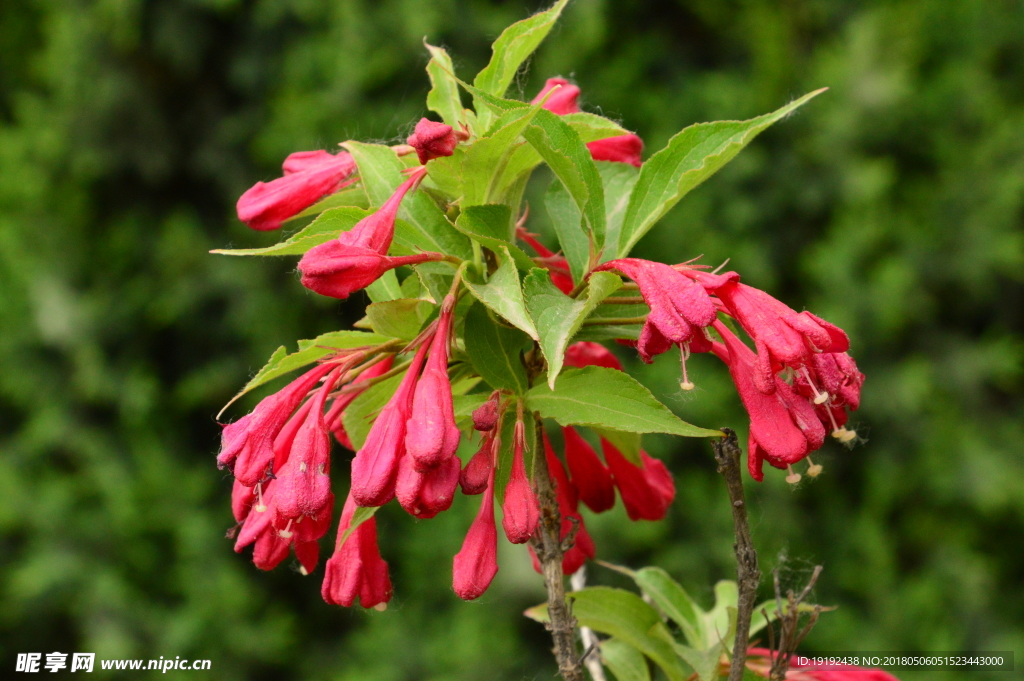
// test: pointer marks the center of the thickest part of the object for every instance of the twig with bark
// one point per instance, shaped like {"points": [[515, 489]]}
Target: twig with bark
{"points": [[727, 454], [790, 633]]}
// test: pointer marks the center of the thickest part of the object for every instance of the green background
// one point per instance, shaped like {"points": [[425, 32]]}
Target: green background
{"points": [[892, 206]]}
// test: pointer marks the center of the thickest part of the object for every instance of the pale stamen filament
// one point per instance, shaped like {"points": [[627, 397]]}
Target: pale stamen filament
{"points": [[793, 476], [260, 506], [819, 396], [286, 533], [684, 354]]}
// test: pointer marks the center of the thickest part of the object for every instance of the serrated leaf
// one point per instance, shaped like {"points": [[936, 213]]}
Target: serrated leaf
{"points": [[327, 226], [436, 278], [503, 294], [484, 162], [568, 223], [495, 351], [591, 127], [570, 161], [358, 417], [488, 224], [360, 516], [625, 616], [443, 98], [400, 318], [515, 44], [628, 444], [557, 316], [601, 397], [385, 288], [692, 156], [673, 600], [425, 227], [618, 180], [625, 661]]}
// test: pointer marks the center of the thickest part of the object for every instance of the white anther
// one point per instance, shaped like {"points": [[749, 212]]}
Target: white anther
{"points": [[819, 396], [814, 470], [793, 476], [684, 354], [380, 607]]}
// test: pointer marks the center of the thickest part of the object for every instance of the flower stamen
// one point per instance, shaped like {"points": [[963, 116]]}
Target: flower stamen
{"points": [[793, 477], [684, 354]]}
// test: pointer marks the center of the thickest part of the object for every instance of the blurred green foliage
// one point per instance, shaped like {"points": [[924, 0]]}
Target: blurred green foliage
{"points": [[891, 205]]}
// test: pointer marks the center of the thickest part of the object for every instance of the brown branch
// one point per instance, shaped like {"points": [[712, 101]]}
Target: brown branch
{"points": [[547, 544], [790, 636], [727, 454]]}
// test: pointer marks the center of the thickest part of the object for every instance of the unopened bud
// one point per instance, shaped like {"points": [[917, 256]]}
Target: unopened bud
{"points": [[485, 417]]}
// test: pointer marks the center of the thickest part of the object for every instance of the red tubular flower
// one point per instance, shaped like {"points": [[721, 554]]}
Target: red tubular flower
{"points": [[646, 491], [431, 435], [563, 101], [242, 499], [336, 270], [521, 512], [356, 569], [680, 308], [568, 508], [556, 264], [591, 478], [304, 482], [477, 472], [620, 149], [376, 463], [476, 563], [588, 353], [334, 415], [425, 494], [247, 445], [783, 337], [432, 140], [783, 423], [270, 544], [309, 176], [376, 231]]}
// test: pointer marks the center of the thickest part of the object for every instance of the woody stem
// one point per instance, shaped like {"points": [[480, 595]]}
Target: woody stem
{"points": [[727, 454], [547, 543]]}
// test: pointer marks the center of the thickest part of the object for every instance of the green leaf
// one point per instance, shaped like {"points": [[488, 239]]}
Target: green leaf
{"points": [[591, 127], [515, 44], [443, 98], [436, 278], [625, 661], [704, 661], [720, 621], [557, 316], [465, 405], [385, 288], [618, 180], [491, 226], [360, 516], [281, 362], [503, 294], [423, 227], [352, 195], [358, 417], [602, 397], [627, 443], [570, 160], [625, 616], [603, 332], [327, 226], [400, 318], [692, 156], [568, 223], [484, 163], [673, 600], [496, 350]]}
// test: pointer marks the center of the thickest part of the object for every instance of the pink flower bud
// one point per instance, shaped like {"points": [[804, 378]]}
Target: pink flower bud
{"points": [[475, 565], [646, 491], [376, 464], [304, 482], [334, 415], [485, 417], [432, 140], [521, 512], [587, 353], [477, 472], [589, 475], [309, 177], [621, 149], [563, 101], [336, 270], [425, 494], [431, 434], [247, 445], [356, 569], [376, 231]]}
